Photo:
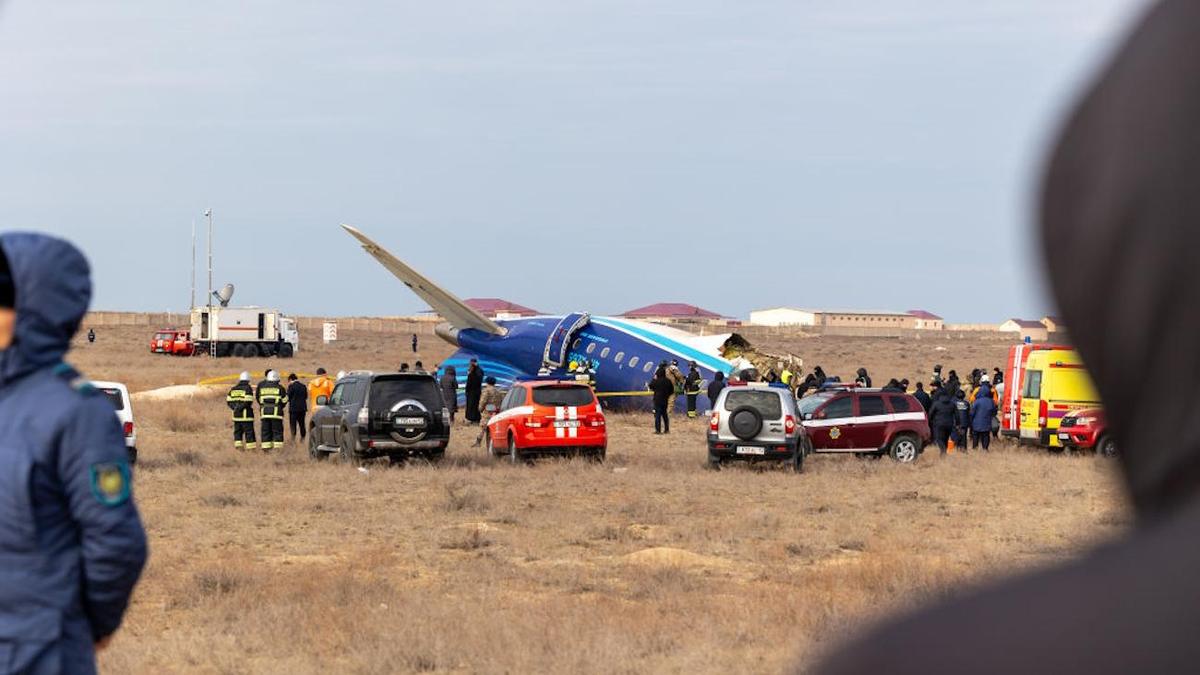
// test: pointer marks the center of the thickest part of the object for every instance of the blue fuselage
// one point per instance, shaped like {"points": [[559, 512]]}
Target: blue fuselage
{"points": [[623, 356]]}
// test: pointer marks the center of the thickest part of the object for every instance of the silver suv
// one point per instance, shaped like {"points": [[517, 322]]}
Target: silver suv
{"points": [[755, 422]]}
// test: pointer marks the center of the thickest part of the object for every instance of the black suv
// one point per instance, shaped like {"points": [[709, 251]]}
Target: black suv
{"points": [[394, 415]]}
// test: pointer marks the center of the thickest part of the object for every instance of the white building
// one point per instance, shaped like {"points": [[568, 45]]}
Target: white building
{"points": [[783, 316]]}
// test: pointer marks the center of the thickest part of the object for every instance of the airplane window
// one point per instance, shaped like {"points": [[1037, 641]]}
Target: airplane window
{"points": [[633, 362], [591, 347], [604, 353], [575, 345], [648, 367], [620, 357]]}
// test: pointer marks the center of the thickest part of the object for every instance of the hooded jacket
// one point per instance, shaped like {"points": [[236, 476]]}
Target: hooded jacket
{"points": [[983, 411], [941, 412], [1119, 216], [71, 541]]}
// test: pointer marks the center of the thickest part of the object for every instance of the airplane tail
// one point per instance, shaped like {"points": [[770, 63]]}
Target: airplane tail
{"points": [[456, 312]]}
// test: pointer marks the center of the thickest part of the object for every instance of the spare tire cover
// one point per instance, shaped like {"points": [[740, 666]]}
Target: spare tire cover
{"points": [[410, 421], [745, 423]]}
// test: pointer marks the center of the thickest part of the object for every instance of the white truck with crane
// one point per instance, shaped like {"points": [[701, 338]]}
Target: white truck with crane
{"points": [[244, 332]]}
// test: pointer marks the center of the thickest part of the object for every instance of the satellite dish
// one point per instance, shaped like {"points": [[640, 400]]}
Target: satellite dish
{"points": [[224, 295]]}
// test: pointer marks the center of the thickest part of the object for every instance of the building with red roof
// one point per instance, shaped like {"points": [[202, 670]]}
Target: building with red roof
{"points": [[496, 308], [675, 313], [1034, 330]]}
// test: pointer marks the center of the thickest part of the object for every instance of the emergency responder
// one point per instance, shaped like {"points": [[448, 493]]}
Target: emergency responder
{"points": [[71, 539], [786, 375], [241, 401], [675, 375], [320, 386], [489, 404], [297, 395], [271, 398], [691, 389]]}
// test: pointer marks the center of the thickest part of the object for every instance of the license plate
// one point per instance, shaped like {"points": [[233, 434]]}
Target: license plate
{"points": [[566, 424], [410, 422], [1064, 437], [750, 450]]}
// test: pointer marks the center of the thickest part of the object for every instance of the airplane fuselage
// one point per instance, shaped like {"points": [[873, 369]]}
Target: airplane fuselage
{"points": [[623, 355]]}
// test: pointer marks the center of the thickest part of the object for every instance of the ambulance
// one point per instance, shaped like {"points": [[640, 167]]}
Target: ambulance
{"points": [[1014, 383], [1055, 383]]}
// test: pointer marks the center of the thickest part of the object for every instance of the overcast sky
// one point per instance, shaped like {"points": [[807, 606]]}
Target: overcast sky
{"points": [[566, 155]]}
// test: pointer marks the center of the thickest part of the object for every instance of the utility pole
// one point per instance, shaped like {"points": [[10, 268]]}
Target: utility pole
{"points": [[212, 334], [193, 305]]}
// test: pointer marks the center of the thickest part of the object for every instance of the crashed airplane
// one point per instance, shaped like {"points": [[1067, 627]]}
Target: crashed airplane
{"points": [[623, 354]]}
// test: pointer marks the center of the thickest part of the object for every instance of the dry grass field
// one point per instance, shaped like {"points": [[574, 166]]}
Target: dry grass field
{"points": [[648, 563]]}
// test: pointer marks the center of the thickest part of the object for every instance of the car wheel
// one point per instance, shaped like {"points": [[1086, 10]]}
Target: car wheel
{"points": [[798, 459], [488, 445], [714, 462], [314, 446], [514, 453], [1107, 447], [238, 351], [287, 351], [345, 449], [904, 449], [436, 457]]}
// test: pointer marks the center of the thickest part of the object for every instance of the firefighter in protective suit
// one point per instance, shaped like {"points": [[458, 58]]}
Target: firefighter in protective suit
{"points": [[241, 402], [71, 540], [271, 398]]}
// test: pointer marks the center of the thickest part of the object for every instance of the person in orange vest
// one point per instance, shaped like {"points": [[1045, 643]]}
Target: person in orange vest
{"points": [[322, 385]]}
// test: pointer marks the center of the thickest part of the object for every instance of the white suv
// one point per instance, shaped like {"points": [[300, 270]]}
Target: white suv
{"points": [[118, 395], [755, 422]]}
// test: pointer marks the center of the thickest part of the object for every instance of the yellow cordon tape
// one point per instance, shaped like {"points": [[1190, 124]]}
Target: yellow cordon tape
{"points": [[623, 393], [231, 379]]}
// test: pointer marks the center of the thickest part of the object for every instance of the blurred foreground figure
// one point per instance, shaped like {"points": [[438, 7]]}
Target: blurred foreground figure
{"points": [[1121, 228], [71, 542]]}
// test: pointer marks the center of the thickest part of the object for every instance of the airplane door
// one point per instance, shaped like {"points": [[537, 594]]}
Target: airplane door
{"points": [[555, 354]]}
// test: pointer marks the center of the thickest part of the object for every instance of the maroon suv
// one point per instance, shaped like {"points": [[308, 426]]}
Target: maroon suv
{"points": [[865, 421]]}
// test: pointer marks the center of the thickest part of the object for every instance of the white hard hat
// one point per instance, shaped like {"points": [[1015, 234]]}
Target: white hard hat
{"points": [[272, 376], [985, 379], [244, 377]]}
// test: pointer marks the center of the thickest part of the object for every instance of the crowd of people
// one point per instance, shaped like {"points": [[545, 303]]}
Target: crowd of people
{"points": [[960, 413]]}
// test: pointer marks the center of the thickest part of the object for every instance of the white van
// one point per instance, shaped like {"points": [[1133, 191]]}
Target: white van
{"points": [[118, 395]]}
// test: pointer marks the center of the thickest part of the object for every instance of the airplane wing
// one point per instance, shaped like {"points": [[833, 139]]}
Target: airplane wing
{"points": [[455, 311]]}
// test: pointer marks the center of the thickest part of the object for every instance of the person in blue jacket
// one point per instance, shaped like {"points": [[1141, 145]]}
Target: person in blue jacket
{"points": [[71, 541], [983, 411]]}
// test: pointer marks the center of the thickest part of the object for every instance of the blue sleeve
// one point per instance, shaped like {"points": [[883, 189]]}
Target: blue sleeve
{"points": [[112, 540]]}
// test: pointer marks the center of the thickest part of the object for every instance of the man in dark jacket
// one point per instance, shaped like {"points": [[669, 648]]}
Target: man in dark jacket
{"points": [[941, 419], [663, 389], [983, 411], [449, 385], [962, 419], [714, 389], [893, 385], [474, 390], [863, 379], [297, 396], [1119, 214], [71, 540], [921, 395]]}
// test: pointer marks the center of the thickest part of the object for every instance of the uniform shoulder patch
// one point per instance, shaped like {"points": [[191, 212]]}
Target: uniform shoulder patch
{"points": [[110, 482]]}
